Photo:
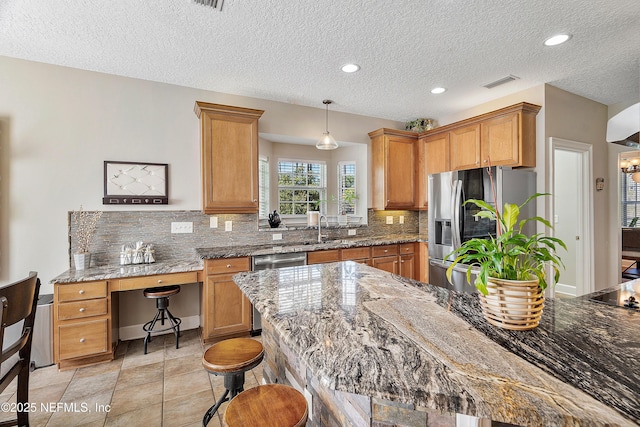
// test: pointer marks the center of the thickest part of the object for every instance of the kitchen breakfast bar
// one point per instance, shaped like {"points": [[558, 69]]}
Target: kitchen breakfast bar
{"points": [[372, 348]]}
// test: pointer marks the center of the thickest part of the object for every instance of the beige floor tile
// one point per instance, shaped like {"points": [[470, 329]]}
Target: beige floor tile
{"points": [[136, 397], [186, 349], [87, 411], [183, 365], [49, 375], [46, 394], [99, 369], [135, 376], [140, 359], [148, 416], [185, 411], [81, 388], [185, 384]]}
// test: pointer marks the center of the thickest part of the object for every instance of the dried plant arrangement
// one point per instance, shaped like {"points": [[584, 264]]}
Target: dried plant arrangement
{"points": [[85, 224]]}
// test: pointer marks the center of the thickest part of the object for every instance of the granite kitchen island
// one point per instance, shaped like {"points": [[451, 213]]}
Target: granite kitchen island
{"points": [[371, 348]]}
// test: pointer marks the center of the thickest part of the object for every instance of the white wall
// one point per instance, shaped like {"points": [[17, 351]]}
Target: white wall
{"points": [[59, 124]]}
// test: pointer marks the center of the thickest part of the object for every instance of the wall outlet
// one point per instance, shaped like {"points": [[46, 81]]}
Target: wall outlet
{"points": [[182, 227], [389, 219], [228, 226], [213, 222], [276, 236], [401, 219], [352, 232]]}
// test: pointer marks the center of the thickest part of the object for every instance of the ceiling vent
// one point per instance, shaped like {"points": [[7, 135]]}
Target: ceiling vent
{"points": [[216, 4], [501, 81]]}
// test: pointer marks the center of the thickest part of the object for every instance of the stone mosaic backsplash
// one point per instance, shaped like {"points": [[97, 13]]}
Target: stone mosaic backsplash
{"points": [[117, 228]]}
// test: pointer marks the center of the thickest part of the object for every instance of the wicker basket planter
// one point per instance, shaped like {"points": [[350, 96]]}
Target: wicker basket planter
{"points": [[513, 304]]}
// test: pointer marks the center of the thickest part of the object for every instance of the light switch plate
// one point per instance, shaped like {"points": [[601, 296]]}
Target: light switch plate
{"points": [[401, 219], [213, 222], [276, 236], [228, 226], [389, 219], [181, 227], [352, 232]]}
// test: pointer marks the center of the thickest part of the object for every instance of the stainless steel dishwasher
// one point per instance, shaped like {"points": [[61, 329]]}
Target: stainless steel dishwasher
{"points": [[269, 262]]}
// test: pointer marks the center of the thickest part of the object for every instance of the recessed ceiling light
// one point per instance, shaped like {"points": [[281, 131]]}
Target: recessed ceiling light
{"points": [[350, 68], [437, 90], [557, 39]]}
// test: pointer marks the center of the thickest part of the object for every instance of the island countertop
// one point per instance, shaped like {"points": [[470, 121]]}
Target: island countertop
{"points": [[363, 331]]}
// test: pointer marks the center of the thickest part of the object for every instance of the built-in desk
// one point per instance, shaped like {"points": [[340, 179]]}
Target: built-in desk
{"points": [[85, 306]]}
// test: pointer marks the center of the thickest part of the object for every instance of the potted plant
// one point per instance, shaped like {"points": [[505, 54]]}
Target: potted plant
{"points": [[84, 229], [511, 267]]}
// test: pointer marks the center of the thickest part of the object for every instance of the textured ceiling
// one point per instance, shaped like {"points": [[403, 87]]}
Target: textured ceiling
{"points": [[291, 51]]}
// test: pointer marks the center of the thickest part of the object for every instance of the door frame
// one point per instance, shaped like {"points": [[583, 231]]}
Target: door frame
{"points": [[586, 154]]}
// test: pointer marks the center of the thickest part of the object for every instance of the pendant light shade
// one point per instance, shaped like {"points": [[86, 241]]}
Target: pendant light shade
{"points": [[327, 142]]}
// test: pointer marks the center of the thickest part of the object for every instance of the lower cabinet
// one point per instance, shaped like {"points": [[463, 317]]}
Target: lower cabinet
{"points": [[407, 266], [226, 311], [361, 255], [321, 257]]}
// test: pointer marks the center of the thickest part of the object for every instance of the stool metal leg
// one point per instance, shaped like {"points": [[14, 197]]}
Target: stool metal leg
{"points": [[148, 329], [234, 385]]}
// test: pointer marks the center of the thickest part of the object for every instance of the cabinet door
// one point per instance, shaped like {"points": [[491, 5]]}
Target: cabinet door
{"points": [[500, 142], [465, 147], [407, 266], [387, 263], [229, 158], [321, 257], [400, 173], [229, 310], [436, 153]]}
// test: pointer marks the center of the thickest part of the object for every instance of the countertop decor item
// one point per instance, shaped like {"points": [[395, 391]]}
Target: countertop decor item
{"points": [[84, 229], [274, 220], [511, 266]]}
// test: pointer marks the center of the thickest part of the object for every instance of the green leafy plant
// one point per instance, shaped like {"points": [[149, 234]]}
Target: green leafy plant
{"points": [[510, 254]]}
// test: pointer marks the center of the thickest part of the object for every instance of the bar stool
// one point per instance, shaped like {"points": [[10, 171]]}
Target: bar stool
{"points": [[269, 405], [231, 358], [162, 294]]}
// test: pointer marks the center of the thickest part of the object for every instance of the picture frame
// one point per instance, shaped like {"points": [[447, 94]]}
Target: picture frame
{"points": [[133, 183]]}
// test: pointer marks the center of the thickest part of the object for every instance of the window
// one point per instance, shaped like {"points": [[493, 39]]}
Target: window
{"points": [[263, 186], [347, 187], [630, 199], [301, 187]]}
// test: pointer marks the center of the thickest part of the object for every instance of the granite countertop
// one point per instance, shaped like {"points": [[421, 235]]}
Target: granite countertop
{"points": [[288, 247], [108, 272], [364, 331]]}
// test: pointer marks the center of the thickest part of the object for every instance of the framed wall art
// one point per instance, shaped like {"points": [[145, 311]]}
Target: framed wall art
{"points": [[130, 183]]}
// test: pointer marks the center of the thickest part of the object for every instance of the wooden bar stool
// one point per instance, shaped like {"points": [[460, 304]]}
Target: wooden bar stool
{"points": [[269, 405], [231, 358], [162, 294]]}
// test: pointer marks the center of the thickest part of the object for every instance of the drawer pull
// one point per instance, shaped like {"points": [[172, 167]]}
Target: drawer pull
{"points": [[159, 280], [81, 291], [81, 339], [228, 265], [386, 250], [82, 310]]}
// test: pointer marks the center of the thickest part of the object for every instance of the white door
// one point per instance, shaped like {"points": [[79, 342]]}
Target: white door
{"points": [[571, 214]]}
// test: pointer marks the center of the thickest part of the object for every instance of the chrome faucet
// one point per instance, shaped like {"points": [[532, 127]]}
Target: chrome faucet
{"points": [[326, 223]]}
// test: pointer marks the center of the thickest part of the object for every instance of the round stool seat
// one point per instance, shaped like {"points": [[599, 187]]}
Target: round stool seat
{"points": [[161, 292], [270, 405], [233, 355]]}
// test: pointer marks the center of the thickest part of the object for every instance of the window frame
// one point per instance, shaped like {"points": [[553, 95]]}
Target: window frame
{"points": [[625, 182], [341, 188], [322, 189]]}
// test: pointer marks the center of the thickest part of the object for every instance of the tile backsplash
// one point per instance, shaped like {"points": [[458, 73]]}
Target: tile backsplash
{"points": [[117, 228]]}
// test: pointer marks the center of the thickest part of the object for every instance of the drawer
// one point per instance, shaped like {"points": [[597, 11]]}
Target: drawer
{"points": [[79, 309], [407, 248], [81, 291], [356, 253], [143, 282], [83, 339], [320, 257], [385, 250], [227, 265]]}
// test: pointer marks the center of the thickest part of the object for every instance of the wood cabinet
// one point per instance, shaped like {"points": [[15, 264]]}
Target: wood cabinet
{"points": [[361, 255], [464, 146], [436, 152], [385, 258], [82, 324], [407, 264], [226, 311], [395, 164], [229, 154], [321, 257]]}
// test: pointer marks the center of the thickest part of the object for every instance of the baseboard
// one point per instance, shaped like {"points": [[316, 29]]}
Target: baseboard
{"points": [[134, 332], [565, 289]]}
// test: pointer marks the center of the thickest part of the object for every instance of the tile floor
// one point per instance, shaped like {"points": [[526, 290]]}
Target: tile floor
{"points": [[166, 387]]}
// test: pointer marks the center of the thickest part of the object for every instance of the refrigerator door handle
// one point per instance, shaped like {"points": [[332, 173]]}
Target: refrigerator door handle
{"points": [[455, 213]]}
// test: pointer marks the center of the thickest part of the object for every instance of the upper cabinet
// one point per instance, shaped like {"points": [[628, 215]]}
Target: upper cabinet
{"points": [[395, 166], [229, 150]]}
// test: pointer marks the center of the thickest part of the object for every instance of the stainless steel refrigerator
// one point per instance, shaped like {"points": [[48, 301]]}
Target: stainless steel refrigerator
{"points": [[451, 222]]}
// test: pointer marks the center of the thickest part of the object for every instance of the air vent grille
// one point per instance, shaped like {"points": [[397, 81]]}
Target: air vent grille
{"points": [[501, 81]]}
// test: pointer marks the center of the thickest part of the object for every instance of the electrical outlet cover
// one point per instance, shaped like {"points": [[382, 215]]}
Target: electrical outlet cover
{"points": [[228, 226], [277, 236], [401, 219], [213, 222], [352, 232], [389, 219]]}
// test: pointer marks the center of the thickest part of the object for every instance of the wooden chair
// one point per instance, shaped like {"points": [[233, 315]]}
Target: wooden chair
{"points": [[18, 302]]}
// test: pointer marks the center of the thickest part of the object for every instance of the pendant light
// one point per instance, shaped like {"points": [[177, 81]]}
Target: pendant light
{"points": [[327, 142]]}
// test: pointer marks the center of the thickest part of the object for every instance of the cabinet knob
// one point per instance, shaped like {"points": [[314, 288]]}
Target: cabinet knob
{"points": [[81, 339], [402, 261], [484, 161], [82, 310], [255, 200], [81, 291], [386, 250], [159, 280], [228, 265]]}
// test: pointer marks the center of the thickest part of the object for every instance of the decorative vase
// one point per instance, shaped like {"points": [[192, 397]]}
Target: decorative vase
{"points": [[513, 304], [82, 260], [274, 220]]}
